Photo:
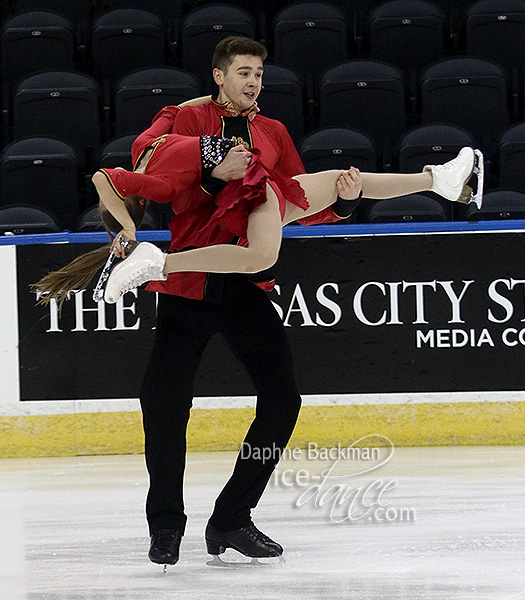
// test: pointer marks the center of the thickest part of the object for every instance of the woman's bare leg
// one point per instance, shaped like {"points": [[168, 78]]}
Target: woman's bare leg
{"points": [[381, 186], [264, 237], [320, 189]]}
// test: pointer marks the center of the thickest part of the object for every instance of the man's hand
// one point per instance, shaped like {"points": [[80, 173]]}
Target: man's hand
{"points": [[349, 184], [234, 165]]}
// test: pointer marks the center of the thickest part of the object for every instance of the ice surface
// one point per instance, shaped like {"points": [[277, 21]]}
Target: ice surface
{"points": [[73, 529]]}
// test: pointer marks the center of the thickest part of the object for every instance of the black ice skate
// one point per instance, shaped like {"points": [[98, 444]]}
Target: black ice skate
{"points": [[112, 261], [249, 541], [164, 548]]}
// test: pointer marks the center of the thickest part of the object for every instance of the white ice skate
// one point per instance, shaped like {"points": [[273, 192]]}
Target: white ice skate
{"points": [[144, 263], [112, 261], [450, 180]]}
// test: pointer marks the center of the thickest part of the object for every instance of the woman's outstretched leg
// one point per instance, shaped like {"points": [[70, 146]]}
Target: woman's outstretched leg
{"points": [[448, 180], [321, 189]]}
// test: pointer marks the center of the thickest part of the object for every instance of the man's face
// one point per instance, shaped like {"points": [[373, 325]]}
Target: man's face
{"points": [[241, 84]]}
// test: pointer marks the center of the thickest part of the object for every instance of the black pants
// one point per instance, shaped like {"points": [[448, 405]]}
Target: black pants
{"points": [[248, 322]]}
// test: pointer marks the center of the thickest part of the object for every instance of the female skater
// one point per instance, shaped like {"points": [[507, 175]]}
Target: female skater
{"points": [[250, 211]]}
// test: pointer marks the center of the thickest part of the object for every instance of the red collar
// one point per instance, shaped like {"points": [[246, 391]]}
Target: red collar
{"points": [[226, 109]]}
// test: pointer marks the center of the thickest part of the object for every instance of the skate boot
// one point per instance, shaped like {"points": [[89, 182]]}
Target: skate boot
{"points": [[450, 180], [128, 246], [145, 263], [248, 540], [164, 547]]}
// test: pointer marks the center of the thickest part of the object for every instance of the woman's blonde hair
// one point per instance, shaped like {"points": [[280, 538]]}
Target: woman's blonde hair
{"points": [[79, 273]]}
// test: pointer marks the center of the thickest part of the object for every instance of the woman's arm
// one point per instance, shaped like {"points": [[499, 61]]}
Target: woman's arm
{"points": [[196, 101], [117, 207]]}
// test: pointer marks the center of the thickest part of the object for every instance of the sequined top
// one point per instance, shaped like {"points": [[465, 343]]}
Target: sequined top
{"points": [[214, 149]]}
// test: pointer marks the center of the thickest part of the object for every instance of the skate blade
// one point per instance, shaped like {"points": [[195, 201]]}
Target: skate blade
{"points": [[274, 561], [128, 246], [479, 171], [468, 195]]}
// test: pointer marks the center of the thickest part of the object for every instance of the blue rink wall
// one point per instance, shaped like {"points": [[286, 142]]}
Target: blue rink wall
{"points": [[411, 332]]}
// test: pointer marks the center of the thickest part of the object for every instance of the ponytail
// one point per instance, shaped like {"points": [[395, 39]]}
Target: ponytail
{"points": [[79, 273]]}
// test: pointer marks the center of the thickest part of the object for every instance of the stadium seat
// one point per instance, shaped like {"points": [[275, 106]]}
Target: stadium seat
{"points": [[467, 92], [367, 96], [60, 105], [282, 98], [42, 172], [310, 37], [76, 11], [407, 33], [125, 40], [406, 209], [429, 145], [495, 31], [164, 9], [117, 153], [203, 28], [36, 41], [139, 96], [498, 204], [511, 158], [26, 219], [338, 148]]}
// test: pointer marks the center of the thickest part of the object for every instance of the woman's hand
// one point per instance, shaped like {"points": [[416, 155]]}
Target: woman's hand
{"points": [[116, 247], [350, 183]]}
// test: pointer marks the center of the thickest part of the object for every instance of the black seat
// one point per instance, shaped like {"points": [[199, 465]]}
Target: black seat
{"points": [[164, 9], [26, 219], [406, 209], [310, 37], [469, 93], [36, 41], [338, 148], [139, 96], [511, 158], [75, 11], [90, 220], [367, 96], [431, 144], [495, 31], [498, 204], [117, 153], [60, 105], [407, 33], [125, 40], [203, 28], [282, 98], [42, 172]]}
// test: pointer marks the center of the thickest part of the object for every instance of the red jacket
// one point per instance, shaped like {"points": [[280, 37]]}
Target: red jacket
{"points": [[194, 223]]}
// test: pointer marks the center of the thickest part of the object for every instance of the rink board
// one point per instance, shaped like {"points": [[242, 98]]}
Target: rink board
{"points": [[418, 336]]}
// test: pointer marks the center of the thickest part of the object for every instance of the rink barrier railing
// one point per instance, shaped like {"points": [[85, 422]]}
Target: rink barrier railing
{"points": [[290, 231]]}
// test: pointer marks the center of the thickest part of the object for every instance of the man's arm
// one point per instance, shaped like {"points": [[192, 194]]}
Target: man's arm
{"points": [[289, 163]]}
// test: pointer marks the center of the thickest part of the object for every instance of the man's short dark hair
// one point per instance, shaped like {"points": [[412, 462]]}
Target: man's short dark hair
{"points": [[230, 47]]}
